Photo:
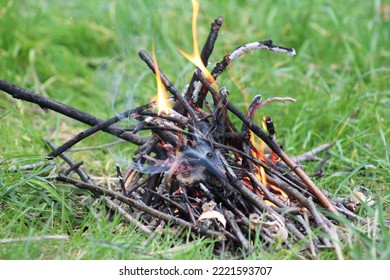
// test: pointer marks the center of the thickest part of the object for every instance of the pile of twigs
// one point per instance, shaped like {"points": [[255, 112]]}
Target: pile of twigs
{"points": [[200, 171]]}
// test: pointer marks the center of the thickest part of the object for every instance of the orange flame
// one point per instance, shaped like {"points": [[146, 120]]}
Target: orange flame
{"points": [[162, 104], [195, 56]]}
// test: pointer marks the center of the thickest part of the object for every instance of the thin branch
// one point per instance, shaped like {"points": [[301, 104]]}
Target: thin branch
{"points": [[262, 45], [34, 238], [100, 126], [310, 155], [206, 52], [44, 102], [139, 205]]}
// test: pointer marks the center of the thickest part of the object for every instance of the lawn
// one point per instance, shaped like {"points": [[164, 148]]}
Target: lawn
{"points": [[84, 54]]}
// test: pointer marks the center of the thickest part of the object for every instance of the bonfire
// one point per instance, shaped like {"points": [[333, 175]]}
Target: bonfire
{"points": [[207, 166]]}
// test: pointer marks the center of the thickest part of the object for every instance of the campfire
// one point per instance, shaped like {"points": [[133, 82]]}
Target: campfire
{"points": [[207, 166]]}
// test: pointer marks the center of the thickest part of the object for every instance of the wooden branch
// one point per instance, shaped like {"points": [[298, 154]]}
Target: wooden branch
{"points": [[34, 239], [310, 155], [206, 52], [262, 45], [44, 102], [100, 126], [138, 205], [275, 147], [229, 216]]}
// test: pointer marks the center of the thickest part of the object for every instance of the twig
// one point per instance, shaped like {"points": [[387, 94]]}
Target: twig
{"points": [[275, 147], [28, 167], [236, 229], [44, 102], [267, 194], [310, 155], [82, 174], [153, 235], [102, 125], [126, 215], [205, 54], [34, 238], [262, 45], [98, 147], [319, 171], [139, 205]]}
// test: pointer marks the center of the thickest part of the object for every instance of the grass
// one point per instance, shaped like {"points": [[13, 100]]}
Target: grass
{"points": [[84, 53]]}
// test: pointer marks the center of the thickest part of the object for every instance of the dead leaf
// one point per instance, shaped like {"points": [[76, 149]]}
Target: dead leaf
{"points": [[213, 215], [276, 230], [254, 220]]}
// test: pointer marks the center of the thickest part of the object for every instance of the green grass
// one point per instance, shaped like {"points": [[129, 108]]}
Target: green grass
{"points": [[84, 53]]}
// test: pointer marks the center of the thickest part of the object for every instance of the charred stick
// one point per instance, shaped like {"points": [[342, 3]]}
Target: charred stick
{"points": [[138, 205], [73, 167], [236, 136], [102, 125], [205, 54], [190, 213], [170, 201], [211, 39], [82, 174], [236, 229], [121, 181], [44, 102], [262, 45], [155, 179], [320, 169]]}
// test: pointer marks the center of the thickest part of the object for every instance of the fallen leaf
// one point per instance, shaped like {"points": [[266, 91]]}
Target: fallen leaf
{"points": [[213, 215]]}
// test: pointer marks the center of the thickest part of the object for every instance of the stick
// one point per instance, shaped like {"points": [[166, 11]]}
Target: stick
{"points": [[310, 154], [262, 45], [112, 205], [296, 168], [236, 229], [275, 147], [44, 102], [100, 126], [98, 147], [206, 52], [34, 238], [139, 205]]}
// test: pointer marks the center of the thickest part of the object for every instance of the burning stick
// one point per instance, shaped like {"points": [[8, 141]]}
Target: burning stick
{"points": [[290, 163]]}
